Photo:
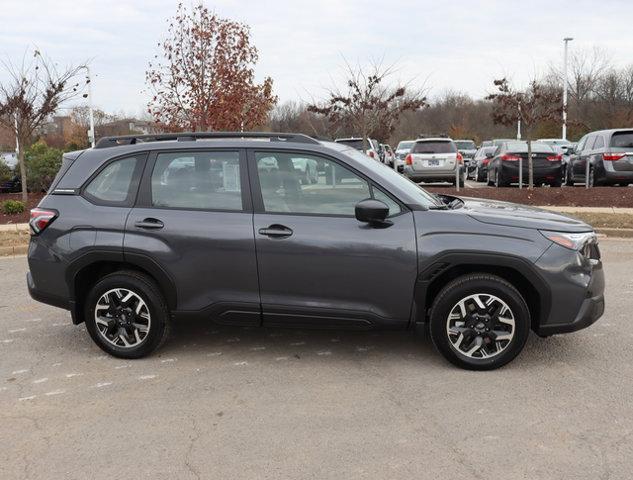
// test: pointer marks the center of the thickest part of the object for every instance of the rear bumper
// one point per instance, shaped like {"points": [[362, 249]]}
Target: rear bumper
{"points": [[45, 297], [430, 175], [541, 172]]}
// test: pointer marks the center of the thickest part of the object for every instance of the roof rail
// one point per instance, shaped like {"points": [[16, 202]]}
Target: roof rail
{"points": [[115, 141]]}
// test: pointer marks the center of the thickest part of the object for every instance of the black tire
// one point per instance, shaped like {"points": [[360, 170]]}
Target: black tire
{"points": [[471, 284], [145, 288], [500, 181], [555, 183], [489, 182]]}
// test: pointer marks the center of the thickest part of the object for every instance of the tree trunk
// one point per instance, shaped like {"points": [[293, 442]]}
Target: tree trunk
{"points": [[21, 161], [530, 165]]}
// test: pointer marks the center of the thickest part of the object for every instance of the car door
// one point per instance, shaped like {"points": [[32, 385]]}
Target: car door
{"points": [[580, 160], [318, 265], [193, 222]]}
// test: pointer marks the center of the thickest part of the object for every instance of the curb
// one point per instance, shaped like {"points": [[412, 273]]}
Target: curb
{"points": [[568, 209]]}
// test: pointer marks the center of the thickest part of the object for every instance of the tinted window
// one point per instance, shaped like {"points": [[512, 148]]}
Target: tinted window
{"points": [[465, 145], [581, 144], [622, 139], [394, 208], [197, 180], [522, 147], [599, 143], [113, 183], [357, 144], [404, 145], [434, 147], [285, 189]]}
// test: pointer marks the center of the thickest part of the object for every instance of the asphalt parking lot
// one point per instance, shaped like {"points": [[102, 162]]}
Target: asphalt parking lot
{"points": [[254, 403]]}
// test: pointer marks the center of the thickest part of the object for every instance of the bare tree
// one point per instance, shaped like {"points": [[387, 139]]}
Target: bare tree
{"points": [[537, 103], [32, 93], [205, 80], [368, 105]]}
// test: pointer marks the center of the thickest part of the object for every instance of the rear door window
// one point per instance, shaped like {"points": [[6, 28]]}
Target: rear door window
{"points": [[208, 180], [434, 147]]}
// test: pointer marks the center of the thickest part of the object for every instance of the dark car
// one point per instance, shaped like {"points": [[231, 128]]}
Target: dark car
{"points": [[503, 168], [12, 185], [609, 156], [480, 161], [140, 232]]}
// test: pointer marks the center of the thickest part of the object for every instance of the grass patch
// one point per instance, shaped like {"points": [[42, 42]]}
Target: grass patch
{"points": [[605, 220]]}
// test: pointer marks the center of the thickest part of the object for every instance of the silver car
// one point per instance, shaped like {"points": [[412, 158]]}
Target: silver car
{"points": [[434, 160]]}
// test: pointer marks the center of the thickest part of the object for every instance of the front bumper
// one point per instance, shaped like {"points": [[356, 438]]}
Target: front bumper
{"points": [[577, 290]]}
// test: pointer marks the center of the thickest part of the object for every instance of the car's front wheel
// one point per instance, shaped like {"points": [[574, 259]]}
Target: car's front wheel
{"points": [[479, 322], [126, 315]]}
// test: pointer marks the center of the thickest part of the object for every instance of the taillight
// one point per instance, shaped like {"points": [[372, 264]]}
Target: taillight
{"points": [[510, 158], [555, 158], [408, 159], [613, 157], [371, 153], [460, 158], [40, 219]]}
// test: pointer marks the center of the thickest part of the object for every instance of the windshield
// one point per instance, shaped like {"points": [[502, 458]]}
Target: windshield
{"points": [[465, 145], [404, 145], [421, 196], [434, 146]]}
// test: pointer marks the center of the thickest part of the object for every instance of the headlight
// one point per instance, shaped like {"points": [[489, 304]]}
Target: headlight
{"points": [[573, 241]]}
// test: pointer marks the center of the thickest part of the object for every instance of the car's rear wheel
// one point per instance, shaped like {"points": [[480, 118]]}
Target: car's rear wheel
{"points": [[126, 315], [499, 180], [479, 322]]}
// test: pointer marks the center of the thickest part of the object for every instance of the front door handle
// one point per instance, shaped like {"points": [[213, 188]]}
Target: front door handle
{"points": [[276, 230], [150, 223]]}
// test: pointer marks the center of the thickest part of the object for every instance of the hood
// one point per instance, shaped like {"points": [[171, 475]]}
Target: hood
{"points": [[514, 215]]}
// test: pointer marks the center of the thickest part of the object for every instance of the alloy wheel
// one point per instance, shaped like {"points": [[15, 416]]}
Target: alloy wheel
{"points": [[122, 318], [480, 326]]}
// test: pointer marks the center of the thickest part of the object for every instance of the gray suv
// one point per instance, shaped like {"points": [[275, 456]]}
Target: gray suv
{"points": [[142, 231]]}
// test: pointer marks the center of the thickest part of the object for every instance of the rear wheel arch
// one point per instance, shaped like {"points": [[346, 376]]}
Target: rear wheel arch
{"points": [[84, 273], [516, 271]]}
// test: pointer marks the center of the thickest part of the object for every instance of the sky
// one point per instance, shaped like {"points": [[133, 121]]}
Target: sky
{"points": [[435, 45]]}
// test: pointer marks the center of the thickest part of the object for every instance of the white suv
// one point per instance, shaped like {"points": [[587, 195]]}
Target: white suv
{"points": [[434, 160]]}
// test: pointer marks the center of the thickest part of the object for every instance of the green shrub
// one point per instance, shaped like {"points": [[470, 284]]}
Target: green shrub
{"points": [[5, 172], [12, 207], [42, 164]]}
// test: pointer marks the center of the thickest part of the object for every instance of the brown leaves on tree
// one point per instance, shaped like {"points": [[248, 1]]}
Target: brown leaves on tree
{"points": [[205, 79]]}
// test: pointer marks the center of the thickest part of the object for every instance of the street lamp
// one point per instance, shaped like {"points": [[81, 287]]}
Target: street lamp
{"points": [[566, 41], [91, 132]]}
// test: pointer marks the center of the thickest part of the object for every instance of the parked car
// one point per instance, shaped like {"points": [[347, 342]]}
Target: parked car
{"points": [[558, 144], [228, 241], [481, 160], [486, 143], [434, 160], [609, 154], [468, 149], [503, 168], [403, 148], [373, 147], [388, 156], [13, 185]]}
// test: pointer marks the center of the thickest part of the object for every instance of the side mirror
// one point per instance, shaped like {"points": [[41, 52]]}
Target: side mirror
{"points": [[489, 155], [570, 150], [373, 212]]}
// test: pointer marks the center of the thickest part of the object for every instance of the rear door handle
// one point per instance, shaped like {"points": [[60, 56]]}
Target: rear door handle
{"points": [[276, 231], [150, 223]]}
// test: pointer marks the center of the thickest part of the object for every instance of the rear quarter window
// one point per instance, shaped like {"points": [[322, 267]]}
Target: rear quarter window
{"points": [[116, 183]]}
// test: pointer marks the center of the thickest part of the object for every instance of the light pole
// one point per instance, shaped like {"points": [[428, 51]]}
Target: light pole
{"points": [[566, 41], [91, 132]]}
